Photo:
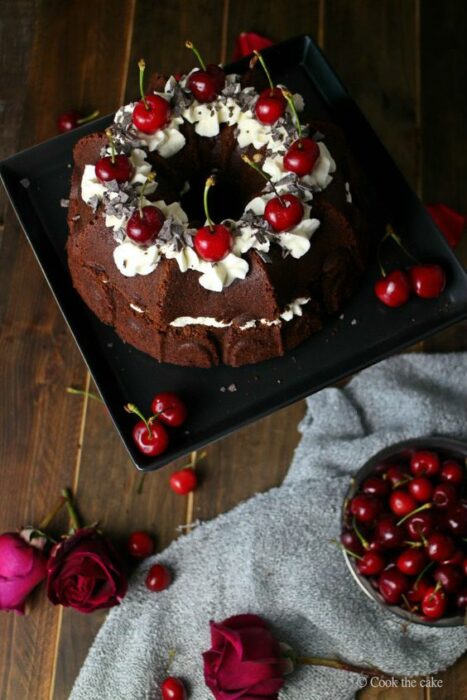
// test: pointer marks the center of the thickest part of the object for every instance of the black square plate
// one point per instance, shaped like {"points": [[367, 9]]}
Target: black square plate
{"points": [[222, 399]]}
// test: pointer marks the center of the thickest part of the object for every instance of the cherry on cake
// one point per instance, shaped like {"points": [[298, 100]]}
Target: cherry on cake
{"points": [[190, 253]]}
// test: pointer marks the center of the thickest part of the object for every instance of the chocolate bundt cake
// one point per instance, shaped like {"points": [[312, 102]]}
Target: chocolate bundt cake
{"points": [[273, 284]]}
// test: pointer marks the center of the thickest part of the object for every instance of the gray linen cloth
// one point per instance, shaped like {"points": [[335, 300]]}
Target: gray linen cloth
{"points": [[272, 555]]}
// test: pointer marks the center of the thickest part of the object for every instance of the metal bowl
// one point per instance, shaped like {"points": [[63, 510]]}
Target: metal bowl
{"points": [[447, 448]]}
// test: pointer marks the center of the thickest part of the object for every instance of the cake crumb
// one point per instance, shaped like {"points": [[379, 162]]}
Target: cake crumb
{"points": [[341, 317], [223, 388], [68, 165], [353, 322], [64, 203], [76, 218], [232, 388], [25, 182]]}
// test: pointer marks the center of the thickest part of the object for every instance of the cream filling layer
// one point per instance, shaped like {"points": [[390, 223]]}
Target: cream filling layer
{"points": [[291, 310]]}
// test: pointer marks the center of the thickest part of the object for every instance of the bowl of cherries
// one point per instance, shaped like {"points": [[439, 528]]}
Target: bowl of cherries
{"points": [[404, 530]]}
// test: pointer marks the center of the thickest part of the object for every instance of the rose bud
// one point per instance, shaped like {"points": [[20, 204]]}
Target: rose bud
{"points": [[22, 568], [84, 572], [245, 660]]}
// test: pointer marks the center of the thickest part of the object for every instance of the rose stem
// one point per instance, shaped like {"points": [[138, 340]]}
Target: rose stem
{"points": [[108, 133], [45, 522], [131, 408], [89, 118], [288, 96], [81, 392], [256, 167], [142, 67], [334, 663], [264, 67], [190, 45], [210, 182], [71, 509]]}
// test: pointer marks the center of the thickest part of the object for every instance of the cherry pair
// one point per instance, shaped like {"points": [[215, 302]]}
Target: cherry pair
{"points": [[425, 280], [150, 435]]}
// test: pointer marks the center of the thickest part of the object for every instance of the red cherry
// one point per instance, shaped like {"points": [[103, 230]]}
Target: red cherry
{"points": [[375, 486], [301, 157], [444, 496], [401, 502], [456, 519], [158, 578], [392, 585], [144, 225], [169, 408], [68, 120], [424, 463], [452, 472], [388, 533], [421, 489], [140, 544], [395, 475], [464, 567], [428, 281], [411, 561], [393, 289], [283, 212], [351, 542], [183, 481], [206, 84], [440, 546], [213, 244], [365, 508], [150, 444], [418, 591], [434, 603], [419, 526], [270, 105], [456, 559], [461, 600], [119, 169], [448, 577], [173, 689], [370, 564], [152, 117]]}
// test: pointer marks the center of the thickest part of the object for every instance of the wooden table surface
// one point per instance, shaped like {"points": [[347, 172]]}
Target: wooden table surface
{"points": [[404, 62]]}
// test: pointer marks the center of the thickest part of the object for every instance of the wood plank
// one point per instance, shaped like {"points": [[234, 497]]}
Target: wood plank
{"points": [[444, 115], [108, 486], [39, 423]]}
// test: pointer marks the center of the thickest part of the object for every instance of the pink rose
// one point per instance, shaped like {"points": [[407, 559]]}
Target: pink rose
{"points": [[85, 573], [245, 661], [22, 567]]}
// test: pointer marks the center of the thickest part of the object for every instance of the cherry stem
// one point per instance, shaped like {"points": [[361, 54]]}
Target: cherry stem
{"points": [[362, 540], [131, 408], [45, 522], [289, 97], [75, 524], [256, 167], [142, 67], [89, 118], [264, 67], [170, 659], [340, 665], [425, 506], [345, 549], [210, 182], [190, 45], [422, 573], [390, 233], [150, 178], [82, 392], [108, 133]]}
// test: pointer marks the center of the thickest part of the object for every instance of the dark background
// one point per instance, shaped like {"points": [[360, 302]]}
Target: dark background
{"points": [[404, 62]]}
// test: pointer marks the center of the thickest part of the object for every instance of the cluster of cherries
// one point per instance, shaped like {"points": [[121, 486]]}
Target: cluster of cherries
{"points": [[425, 280], [140, 546], [406, 529]]}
